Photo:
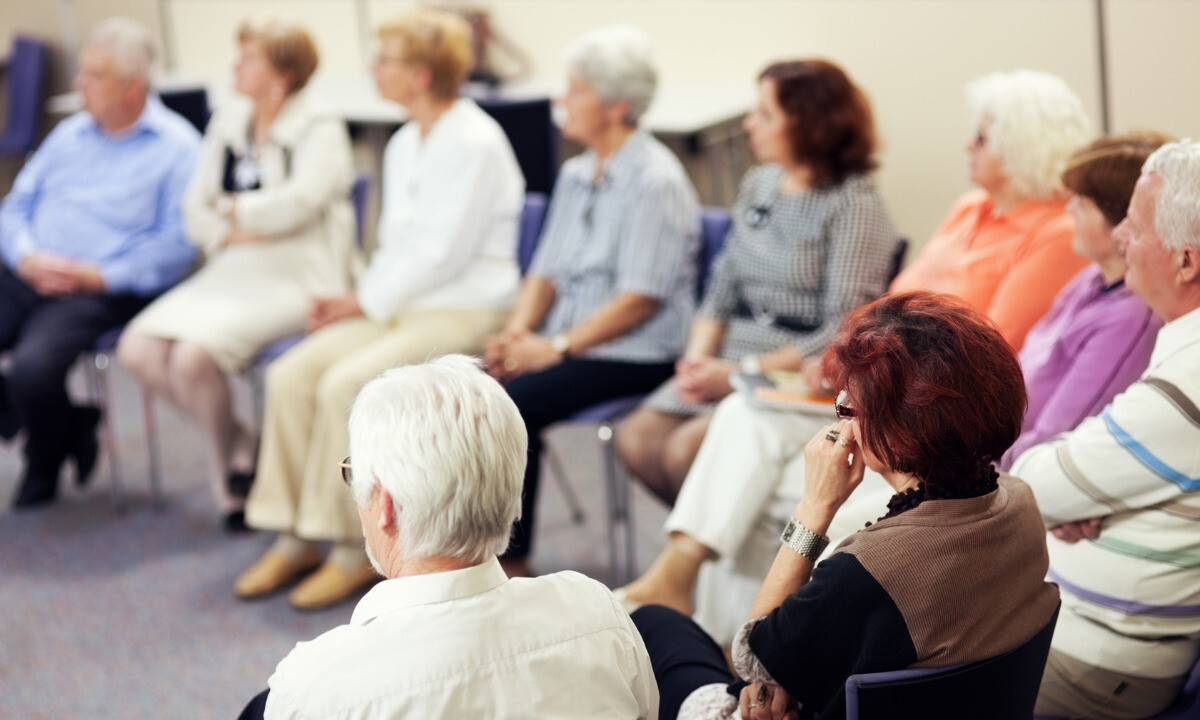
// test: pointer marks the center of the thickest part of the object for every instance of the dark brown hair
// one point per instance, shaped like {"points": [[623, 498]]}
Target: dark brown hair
{"points": [[937, 389], [1106, 170], [830, 128]]}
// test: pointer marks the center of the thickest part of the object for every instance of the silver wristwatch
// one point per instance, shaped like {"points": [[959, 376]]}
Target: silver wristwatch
{"points": [[802, 541]]}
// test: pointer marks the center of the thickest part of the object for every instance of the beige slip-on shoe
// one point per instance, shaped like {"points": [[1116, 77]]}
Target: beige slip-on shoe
{"points": [[273, 571], [331, 584]]}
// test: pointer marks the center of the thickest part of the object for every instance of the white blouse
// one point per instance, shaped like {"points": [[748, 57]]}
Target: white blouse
{"points": [[451, 211]]}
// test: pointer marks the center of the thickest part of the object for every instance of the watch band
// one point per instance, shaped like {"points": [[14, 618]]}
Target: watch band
{"points": [[802, 541], [751, 365], [561, 344]]}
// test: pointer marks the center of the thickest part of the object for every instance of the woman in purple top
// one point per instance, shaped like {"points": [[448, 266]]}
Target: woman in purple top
{"points": [[1097, 337]]}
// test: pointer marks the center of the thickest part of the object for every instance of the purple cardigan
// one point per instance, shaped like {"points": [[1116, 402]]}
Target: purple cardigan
{"points": [[1092, 344]]}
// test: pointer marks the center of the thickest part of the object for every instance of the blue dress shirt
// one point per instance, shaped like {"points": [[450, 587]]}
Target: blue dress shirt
{"points": [[114, 200]]}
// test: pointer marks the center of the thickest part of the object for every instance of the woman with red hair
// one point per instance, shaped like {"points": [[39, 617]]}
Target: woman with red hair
{"points": [[811, 241], [931, 397]]}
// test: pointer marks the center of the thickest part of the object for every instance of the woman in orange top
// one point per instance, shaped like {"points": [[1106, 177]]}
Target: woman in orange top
{"points": [[1006, 249]]}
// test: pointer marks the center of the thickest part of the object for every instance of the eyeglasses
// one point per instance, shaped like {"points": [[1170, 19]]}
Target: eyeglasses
{"points": [[347, 474], [840, 407]]}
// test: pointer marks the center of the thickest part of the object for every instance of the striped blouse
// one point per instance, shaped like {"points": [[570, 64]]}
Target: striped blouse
{"points": [[634, 231], [1131, 598]]}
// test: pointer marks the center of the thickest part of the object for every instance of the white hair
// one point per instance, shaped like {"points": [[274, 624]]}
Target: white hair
{"points": [[447, 443], [617, 62], [128, 42], [1177, 212], [1035, 122]]}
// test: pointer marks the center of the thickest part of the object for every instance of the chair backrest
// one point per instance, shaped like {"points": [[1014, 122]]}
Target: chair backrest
{"points": [[1000, 688], [359, 192], [26, 96], [532, 218], [191, 104], [534, 137], [898, 258], [714, 227]]}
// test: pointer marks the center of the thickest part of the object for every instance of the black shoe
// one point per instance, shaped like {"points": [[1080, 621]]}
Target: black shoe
{"points": [[35, 492], [84, 448], [10, 424], [239, 484], [235, 522]]}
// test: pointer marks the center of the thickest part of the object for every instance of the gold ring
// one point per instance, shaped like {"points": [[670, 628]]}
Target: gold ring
{"points": [[510, 364]]}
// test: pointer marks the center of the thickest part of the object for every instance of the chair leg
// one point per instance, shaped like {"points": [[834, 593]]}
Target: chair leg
{"points": [[560, 477], [619, 509], [100, 363], [153, 451]]}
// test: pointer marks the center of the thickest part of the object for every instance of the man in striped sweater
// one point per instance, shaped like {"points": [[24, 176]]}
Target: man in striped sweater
{"points": [[1121, 493]]}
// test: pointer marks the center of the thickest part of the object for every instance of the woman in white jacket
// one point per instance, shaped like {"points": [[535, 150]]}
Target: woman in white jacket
{"points": [[443, 278], [269, 206]]}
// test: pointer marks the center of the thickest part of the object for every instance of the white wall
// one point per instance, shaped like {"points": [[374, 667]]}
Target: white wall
{"points": [[911, 56]]}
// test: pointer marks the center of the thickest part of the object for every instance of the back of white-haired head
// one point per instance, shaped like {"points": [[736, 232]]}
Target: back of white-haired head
{"points": [[1034, 123], [1177, 212], [617, 61], [447, 443], [128, 42]]}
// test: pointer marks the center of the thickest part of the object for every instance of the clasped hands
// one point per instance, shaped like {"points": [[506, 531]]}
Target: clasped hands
{"points": [[702, 379], [761, 701], [516, 352], [59, 276], [328, 310]]}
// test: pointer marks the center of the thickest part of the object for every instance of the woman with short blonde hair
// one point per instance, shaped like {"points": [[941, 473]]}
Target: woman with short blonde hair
{"points": [[438, 41]]}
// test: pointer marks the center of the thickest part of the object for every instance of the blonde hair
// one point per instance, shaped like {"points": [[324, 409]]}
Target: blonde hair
{"points": [[288, 47], [1035, 122], [438, 40]]}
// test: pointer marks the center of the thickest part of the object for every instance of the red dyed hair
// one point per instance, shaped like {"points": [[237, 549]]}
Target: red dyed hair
{"points": [[938, 391], [830, 127]]}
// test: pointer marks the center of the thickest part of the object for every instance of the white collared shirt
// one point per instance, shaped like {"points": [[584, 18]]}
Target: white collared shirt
{"points": [[472, 643], [447, 233]]}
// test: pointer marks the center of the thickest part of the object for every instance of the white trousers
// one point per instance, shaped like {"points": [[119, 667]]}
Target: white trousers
{"points": [[743, 486]]}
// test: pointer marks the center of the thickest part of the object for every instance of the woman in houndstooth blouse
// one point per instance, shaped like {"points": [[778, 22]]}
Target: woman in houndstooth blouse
{"points": [[811, 241]]}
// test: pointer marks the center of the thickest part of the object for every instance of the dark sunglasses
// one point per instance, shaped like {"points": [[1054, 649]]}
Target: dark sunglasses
{"points": [[843, 411], [347, 474]]}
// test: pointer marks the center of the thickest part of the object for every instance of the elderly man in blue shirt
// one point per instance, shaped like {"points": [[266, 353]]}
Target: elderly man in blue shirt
{"points": [[90, 232]]}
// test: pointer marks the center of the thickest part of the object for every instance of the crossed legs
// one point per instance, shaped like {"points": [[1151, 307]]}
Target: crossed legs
{"points": [[185, 375], [659, 448]]}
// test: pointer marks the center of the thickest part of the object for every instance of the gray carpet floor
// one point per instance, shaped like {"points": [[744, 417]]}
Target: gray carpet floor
{"points": [[109, 614]]}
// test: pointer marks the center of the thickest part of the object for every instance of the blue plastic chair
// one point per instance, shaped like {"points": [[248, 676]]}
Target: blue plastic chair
{"points": [[1001, 688], [26, 95], [714, 226]]}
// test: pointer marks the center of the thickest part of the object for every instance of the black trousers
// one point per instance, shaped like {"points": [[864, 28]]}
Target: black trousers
{"points": [[556, 394], [683, 656], [44, 336]]}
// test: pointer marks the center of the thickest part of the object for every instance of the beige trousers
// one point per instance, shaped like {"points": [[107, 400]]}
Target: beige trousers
{"points": [[1075, 689], [298, 488]]}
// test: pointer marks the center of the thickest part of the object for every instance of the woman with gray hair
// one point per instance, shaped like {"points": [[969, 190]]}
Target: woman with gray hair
{"points": [[605, 307]]}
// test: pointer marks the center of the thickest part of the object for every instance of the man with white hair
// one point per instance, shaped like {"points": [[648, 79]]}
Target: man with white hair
{"points": [[90, 232], [1120, 491], [437, 456]]}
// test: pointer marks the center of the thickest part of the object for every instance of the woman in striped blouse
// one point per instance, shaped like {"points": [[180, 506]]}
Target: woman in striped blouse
{"points": [[811, 241]]}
